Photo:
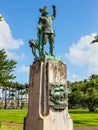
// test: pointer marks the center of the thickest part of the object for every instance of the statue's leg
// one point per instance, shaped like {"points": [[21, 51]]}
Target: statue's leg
{"points": [[45, 37], [51, 42], [42, 51], [40, 42]]}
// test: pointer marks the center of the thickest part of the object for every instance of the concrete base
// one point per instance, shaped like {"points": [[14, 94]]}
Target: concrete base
{"points": [[40, 115], [58, 121]]}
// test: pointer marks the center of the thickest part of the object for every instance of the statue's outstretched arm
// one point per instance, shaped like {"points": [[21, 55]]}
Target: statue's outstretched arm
{"points": [[54, 11]]}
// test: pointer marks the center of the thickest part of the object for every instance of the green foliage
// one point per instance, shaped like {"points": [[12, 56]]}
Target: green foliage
{"points": [[91, 93], [0, 105], [76, 95], [0, 18], [84, 93], [6, 68]]}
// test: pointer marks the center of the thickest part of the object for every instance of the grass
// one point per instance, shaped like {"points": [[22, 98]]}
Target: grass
{"points": [[13, 115], [81, 117], [7, 127]]}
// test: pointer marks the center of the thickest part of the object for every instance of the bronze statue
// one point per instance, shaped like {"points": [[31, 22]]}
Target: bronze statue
{"points": [[34, 45], [95, 40], [45, 30], [45, 33], [58, 96]]}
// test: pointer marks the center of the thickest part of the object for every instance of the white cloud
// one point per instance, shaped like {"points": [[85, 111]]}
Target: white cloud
{"points": [[73, 77], [14, 55], [24, 69], [83, 53], [6, 39]]}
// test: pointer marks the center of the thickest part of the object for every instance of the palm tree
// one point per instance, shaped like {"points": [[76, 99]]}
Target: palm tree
{"points": [[25, 93], [0, 18], [5, 92], [95, 40]]}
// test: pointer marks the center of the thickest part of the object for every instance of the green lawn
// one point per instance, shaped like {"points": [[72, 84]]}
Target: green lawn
{"points": [[7, 127], [81, 117], [12, 115]]}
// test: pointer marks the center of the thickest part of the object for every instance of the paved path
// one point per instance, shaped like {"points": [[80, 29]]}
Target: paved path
{"points": [[13, 124]]}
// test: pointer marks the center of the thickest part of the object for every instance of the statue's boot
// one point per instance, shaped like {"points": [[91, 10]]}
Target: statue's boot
{"points": [[43, 52], [51, 47]]}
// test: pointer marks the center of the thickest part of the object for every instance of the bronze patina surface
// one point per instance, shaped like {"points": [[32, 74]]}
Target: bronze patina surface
{"points": [[45, 33]]}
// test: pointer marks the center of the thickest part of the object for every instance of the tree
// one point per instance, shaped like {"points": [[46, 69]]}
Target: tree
{"points": [[18, 92], [75, 97], [95, 39], [6, 68], [0, 18], [91, 93], [84, 93]]}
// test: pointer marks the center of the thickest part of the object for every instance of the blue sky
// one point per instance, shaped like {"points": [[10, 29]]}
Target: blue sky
{"points": [[76, 25]]}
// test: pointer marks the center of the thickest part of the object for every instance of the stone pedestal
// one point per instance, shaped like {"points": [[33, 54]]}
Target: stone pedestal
{"points": [[48, 106]]}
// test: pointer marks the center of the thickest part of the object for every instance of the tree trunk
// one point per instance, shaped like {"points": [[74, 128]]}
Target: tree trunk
{"points": [[5, 98], [91, 107]]}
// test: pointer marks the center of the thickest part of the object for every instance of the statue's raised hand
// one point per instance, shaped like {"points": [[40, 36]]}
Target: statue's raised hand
{"points": [[53, 6]]}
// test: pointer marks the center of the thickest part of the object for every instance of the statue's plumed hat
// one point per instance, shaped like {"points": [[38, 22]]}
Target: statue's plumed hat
{"points": [[44, 9]]}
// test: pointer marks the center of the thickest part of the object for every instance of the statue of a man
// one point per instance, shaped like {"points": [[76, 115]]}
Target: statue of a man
{"points": [[45, 30]]}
